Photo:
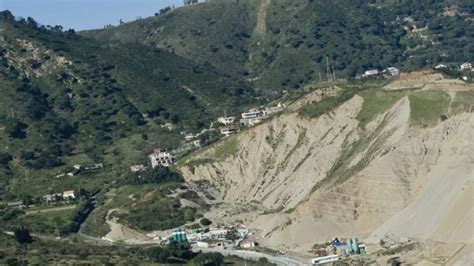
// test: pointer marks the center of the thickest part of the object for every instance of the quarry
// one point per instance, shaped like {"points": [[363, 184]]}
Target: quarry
{"points": [[379, 167]]}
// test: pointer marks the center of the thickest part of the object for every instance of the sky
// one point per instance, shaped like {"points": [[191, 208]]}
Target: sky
{"points": [[85, 14]]}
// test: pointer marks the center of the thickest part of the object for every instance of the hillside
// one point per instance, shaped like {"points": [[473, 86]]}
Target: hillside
{"points": [[387, 159], [287, 44], [68, 100], [370, 166]]}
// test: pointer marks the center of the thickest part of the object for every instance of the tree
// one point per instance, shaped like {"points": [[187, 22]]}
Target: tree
{"points": [[22, 235], [159, 254], [7, 15], [31, 22], [214, 259], [232, 235], [205, 222], [16, 129], [27, 200], [5, 158]]}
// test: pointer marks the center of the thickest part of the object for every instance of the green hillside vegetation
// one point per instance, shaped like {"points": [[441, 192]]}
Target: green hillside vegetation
{"points": [[75, 251], [70, 100], [104, 99], [53, 223], [216, 32], [287, 44], [134, 204]]}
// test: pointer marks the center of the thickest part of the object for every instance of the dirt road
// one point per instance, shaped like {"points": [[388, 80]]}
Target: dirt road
{"points": [[51, 209]]}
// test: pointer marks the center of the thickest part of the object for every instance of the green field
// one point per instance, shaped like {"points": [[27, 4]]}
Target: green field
{"points": [[377, 101], [426, 107], [463, 101]]}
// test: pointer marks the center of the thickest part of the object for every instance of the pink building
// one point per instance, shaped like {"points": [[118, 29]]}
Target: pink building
{"points": [[161, 158]]}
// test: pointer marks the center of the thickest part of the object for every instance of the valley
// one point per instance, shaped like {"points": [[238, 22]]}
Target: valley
{"points": [[241, 131]]}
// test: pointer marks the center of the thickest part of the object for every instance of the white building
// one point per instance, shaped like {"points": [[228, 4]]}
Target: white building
{"points": [[392, 71], [189, 136], [247, 244], [370, 73], [158, 158], [253, 113], [137, 168], [201, 244], [440, 66], [325, 259], [226, 120], [69, 194], [275, 109], [218, 234], [465, 66], [52, 197]]}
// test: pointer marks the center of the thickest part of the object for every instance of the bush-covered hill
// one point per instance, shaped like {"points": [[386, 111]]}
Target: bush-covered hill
{"points": [[66, 99], [286, 44]]}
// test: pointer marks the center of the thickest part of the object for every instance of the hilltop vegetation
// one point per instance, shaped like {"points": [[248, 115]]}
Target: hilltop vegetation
{"points": [[67, 100], [287, 44], [78, 109]]}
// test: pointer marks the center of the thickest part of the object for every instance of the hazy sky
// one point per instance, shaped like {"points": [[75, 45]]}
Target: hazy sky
{"points": [[85, 14]]}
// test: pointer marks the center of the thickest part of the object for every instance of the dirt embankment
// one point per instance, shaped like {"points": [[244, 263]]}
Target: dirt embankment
{"points": [[120, 232], [325, 177]]}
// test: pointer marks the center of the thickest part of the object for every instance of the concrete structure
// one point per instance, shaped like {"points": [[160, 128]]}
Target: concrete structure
{"points": [[137, 168], [254, 113], [189, 136], [16, 204], [251, 121], [226, 120], [371, 73], [159, 158], [392, 71], [201, 244], [325, 259], [275, 109], [52, 197], [218, 234], [247, 244], [69, 194], [440, 66], [227, 131], [465, 66]]}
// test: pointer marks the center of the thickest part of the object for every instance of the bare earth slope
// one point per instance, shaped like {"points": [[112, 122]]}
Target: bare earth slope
{"points": [[329, 176]]}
